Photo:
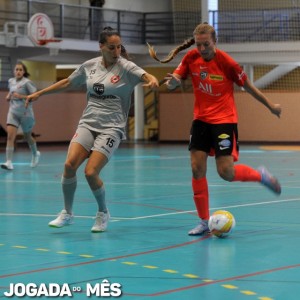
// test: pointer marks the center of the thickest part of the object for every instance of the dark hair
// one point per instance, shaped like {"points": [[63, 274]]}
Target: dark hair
{"points": [[108, 32], [200, 29], [26, 74]]}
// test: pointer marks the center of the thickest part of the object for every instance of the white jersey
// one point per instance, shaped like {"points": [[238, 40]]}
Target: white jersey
{"points": [[23, 87], [108, 93]]}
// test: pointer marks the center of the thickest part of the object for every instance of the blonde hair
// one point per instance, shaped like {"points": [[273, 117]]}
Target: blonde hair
{"points": [[200, 29], [205, 28]]}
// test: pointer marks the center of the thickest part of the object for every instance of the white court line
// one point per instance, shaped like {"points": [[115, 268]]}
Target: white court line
{"points": [[130, 183], [121, 160], [159, 215], [215, 208], [155, 183]]}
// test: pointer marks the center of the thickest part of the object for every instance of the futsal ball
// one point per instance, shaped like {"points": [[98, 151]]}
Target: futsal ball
{"points": [[221, 223]]}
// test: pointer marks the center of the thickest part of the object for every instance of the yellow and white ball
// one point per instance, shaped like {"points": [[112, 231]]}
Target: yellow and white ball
{"points": [[221, 223]]}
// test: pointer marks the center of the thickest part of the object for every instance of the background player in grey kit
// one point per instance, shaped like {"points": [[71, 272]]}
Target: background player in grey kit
{"points": [[19, 116], [110, 80]]}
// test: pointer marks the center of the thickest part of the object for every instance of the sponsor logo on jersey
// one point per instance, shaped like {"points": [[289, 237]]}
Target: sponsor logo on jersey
{"points": [[115, 79], [103, 97], [98, 88], [216, 77], [223, 136], [206, 88]]}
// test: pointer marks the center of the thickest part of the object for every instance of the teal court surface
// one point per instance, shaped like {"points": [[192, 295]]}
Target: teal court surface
{"points": [[146, 252]]}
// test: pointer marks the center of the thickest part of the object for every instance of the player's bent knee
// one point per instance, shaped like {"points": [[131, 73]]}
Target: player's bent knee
{"points": [[226, 174], [70, 167]]}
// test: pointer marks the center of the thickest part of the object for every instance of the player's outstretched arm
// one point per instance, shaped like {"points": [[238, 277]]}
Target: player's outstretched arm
{"points": [[150, 81], [172, 81], [54, 88], [258, 95]]}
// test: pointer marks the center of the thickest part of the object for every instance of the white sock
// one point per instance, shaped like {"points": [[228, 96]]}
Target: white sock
{"points": [[9, 153], [69, 187], [100, 198]]}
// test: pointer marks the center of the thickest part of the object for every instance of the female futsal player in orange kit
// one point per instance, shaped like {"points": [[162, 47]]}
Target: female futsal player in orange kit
{"points": [[214, 128]]}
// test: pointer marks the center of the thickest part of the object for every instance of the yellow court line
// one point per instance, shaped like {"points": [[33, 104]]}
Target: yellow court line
{"points": [[229, 286], [150, 267], [190, 276], [86, 255], [129, 263], [249, 293], [171, 271]]}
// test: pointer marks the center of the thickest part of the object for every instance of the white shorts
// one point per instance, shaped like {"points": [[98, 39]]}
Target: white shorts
{"points": [[96, 141], [26, 121]]}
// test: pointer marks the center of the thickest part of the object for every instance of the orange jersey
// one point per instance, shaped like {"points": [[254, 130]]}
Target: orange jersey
{"points": [[213, 83]]}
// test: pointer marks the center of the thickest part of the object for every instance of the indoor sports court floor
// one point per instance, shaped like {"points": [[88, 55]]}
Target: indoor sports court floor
{"points": [[146, 248]]}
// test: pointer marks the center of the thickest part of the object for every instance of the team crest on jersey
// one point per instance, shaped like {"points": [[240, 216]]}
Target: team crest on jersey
{"points": [[98, 88], [203, 75], [115, 79]]}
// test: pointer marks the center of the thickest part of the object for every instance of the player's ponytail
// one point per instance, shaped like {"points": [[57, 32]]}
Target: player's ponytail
{"points": [[200, 29], [173, 53]]}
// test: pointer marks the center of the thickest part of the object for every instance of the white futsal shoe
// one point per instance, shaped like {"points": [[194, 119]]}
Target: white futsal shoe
{"points": [[62, 220], [8, 165], [35, 159], [202, 228], [101, 222]]}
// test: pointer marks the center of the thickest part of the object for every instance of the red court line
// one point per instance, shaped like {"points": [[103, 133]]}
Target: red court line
{"points": [[106, 259]]}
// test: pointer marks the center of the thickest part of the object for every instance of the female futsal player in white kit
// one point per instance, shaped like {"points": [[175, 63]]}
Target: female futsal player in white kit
{"points": [[110, 80], [19, 116]]}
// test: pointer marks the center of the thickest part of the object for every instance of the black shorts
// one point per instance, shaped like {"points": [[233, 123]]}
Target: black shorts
{"points": [[215, 139]]}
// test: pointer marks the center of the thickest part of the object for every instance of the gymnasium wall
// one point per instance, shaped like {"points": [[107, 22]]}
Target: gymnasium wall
{"points": [[256, 123], [57, 116]]}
